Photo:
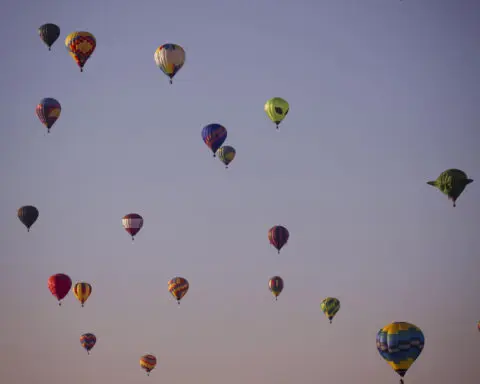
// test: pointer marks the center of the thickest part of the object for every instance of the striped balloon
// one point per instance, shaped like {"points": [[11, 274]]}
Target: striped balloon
{"points": [[278, 236], [330, 306], [48, 111], [226, 154], [178, 287], [214, 135], [132, 223], [148, 363], [400, 344], [275, 284], [82, 291], [88, 340]]}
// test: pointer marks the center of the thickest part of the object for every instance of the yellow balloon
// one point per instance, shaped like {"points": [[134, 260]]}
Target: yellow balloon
{"points": [[226, 154], [80, 45], [82, 291], [276, 109]]}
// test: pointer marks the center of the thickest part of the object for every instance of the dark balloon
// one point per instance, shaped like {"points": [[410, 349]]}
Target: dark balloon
{"points": [[278, 236], [49, 33], [275, 284], [214, 136], [28, 214]]}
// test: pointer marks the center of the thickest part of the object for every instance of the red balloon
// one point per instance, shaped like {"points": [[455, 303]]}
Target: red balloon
{"points": [[278, 236], [59, 285], [132, 223]]}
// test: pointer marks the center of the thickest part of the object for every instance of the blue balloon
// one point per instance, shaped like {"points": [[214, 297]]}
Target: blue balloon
{"points": [[214, 136]]}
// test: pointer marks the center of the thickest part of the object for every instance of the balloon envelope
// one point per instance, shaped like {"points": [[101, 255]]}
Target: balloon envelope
{"points": [[28, 215], [276, 109], [49, 33], [132, 223], [275, 284], [400, 344], [226, 154], [170, 58], [88, 341], [48, 111], [148, 363], [80, 45], [178, 287], [214, 136], [82, 291], [278, 236], [59, 285], [452, 183], [330, 306]]}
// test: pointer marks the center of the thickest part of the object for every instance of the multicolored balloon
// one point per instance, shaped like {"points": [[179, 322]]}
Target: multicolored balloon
{"points": [[82, 291], [49, 33], [278, 236], [48, 111], [170, 59], [214, 136], [451, 182], [276, 109], [178, 287], [132, 223], [148, 363], [59, 285], [88, 341], [330, 306], [80, 45], [400, 344], [226, 154], [28, 215], [275, 284]]}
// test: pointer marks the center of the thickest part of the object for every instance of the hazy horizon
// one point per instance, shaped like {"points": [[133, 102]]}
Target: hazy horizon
{"points": [[383, 97]]}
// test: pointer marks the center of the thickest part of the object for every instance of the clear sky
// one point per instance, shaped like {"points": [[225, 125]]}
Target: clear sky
{"points": [[384, 96]]}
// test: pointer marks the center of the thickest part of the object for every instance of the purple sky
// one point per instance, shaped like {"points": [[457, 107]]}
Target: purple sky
{"points": [[384, 95]]}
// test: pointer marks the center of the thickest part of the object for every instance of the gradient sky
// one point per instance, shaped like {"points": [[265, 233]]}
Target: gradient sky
{"points": [[384, 96]]}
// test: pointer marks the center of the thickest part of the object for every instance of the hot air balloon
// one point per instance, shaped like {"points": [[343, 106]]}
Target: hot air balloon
{"points": [[276, 109], [80, 45], [400, 344], [478, 325], [178, 287], [49, 33], [59, 285], [28, 215], [275, 284], [132, 223], [88, 341], [170, 59], [48, 111], [330, 306], [82, 291], [226, 154], [214, 136], [278, 236], [451, 182], [148, 363]]}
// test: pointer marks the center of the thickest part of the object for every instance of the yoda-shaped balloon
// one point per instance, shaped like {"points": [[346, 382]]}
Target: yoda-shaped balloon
{"points": [[451, 182]]}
